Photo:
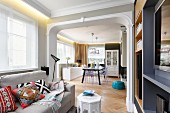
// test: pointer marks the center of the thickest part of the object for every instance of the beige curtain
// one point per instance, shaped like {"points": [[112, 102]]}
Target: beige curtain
{"points": [[81, 53], [77, 54]]}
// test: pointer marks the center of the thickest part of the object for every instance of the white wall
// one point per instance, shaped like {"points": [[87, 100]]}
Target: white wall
{"points": [[51, 49], [42, 44], [124, 50]]}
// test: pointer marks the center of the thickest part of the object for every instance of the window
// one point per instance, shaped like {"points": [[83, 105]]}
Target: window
{"points": [[18, 41], [96, 54], [65, 50]]}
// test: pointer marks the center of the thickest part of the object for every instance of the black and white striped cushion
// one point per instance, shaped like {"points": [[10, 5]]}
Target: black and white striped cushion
{"points": [[42, 87], [23, 85]]}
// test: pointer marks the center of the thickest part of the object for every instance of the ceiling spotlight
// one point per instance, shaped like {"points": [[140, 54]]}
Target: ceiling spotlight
{"points": [[165, 33], [92, 34], [96, 38]]}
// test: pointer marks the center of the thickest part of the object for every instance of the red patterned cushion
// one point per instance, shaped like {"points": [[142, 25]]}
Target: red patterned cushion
{"points": [[7, 102], [28, 95]]}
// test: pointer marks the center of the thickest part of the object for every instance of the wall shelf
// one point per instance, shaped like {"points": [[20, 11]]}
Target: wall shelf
{"points": [[139, 4], [139, 18], [139, 101], [154, 81], [138, 51], [139, 35], [157, 81]]}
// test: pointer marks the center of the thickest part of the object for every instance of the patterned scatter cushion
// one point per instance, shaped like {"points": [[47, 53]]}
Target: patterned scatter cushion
{"points": [[27, 95], [7, 102], [42, 87], [58, 87], [23, 85]]}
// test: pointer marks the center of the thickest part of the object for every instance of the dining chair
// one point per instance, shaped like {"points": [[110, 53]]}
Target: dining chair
{"points": [[90, 76], [104, 73]]}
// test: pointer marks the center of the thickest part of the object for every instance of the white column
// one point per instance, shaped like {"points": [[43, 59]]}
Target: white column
{"points": [[129, 98], [51, 49]]}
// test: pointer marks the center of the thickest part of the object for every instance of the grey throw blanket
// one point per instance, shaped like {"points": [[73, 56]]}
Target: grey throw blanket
{"points": [[54, 98], [51, 100]]}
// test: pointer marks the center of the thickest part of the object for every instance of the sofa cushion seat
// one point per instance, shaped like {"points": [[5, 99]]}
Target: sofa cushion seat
{"points": [[41, 108], [33, 109]]}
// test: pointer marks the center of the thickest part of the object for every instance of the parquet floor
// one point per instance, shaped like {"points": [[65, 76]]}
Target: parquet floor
{"points": [[113, 101]]}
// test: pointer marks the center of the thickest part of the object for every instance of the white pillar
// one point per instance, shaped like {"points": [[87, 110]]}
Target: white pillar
{"points": [[129, 96], [51, 49]]}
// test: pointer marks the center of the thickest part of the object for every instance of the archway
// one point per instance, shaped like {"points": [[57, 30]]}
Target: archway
{"points": [[123, 18]]}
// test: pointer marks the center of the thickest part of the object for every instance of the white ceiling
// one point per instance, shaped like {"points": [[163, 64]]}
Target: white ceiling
{"points": [[66, 7], [61, 4], [105, 33]]}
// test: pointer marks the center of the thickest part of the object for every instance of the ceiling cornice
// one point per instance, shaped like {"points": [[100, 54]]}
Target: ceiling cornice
{"points": [[89, 7], [37, 5], [67, 36]]}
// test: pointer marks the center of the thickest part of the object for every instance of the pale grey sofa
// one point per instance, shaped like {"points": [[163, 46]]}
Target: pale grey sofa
{"points": [[14, 79]]}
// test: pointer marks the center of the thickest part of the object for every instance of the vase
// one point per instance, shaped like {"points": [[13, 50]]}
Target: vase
{"points": [[67, 63], [97, 65]]}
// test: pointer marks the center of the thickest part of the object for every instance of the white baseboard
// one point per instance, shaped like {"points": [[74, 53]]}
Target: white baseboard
{"points": [[129, 105], [135, 109]]}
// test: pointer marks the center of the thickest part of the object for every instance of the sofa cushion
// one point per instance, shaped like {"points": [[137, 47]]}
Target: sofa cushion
{"points": [[34, 108], [23, 84], [27, 95], [42, 86], [14, 79], [6, 100]]}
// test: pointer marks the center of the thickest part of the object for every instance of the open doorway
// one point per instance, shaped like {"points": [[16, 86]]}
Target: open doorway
{"points": [[119, 18]]}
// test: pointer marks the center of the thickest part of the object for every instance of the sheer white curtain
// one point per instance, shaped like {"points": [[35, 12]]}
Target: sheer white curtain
{"points": [[18, 40], [65, 50]]}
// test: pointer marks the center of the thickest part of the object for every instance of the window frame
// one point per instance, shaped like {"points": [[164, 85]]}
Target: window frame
{"points": [[30, 23], [66, 44]]}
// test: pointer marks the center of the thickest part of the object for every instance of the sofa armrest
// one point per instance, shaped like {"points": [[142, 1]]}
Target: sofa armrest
{"points": [[71, 88]]}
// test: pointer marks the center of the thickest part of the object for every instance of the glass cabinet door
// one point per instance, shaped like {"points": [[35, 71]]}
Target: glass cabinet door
{"points": [[114, 57], [108, 58]]}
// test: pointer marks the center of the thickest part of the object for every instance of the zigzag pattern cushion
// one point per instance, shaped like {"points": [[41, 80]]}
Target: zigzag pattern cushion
{"points": [[6, 100], [23, 85], [42, 87]]}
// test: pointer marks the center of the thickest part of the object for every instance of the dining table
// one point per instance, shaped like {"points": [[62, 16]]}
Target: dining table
{"points": [[98, 69]]}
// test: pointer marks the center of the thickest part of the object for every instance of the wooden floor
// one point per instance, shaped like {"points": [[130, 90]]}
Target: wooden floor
{"points": [[113, 101]]}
